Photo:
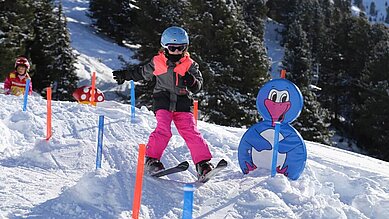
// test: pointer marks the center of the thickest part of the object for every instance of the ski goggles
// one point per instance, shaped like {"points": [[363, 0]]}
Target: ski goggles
{"points": [[173, 48]]}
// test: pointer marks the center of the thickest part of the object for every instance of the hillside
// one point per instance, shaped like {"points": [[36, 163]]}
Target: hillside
{"points": [[57, 179]]}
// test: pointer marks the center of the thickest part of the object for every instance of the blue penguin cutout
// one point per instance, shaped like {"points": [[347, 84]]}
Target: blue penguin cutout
{"points": [[279, 100]]}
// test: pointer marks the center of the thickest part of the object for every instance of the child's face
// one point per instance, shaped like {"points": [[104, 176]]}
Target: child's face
{"points": [[21, 69]]}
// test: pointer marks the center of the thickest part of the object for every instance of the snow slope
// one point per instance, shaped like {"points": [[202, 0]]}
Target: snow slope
{"points": [[57, 179], [380, 10], [95, 52], [275, 51]]}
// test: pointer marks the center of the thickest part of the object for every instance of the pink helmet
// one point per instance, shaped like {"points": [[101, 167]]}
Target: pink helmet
{"points": [[22, 61]]}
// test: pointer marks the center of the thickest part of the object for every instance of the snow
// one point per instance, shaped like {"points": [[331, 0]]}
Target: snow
{"points": [[275, 51], [355, 10], [86, 41], [57, 178], [95, 52], [381, 10]]}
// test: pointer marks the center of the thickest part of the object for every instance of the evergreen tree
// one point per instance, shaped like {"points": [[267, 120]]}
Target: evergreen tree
{"points": [[253, 14], [246, 63], [334, 60], [232, 58], [350, 58], [370, 120], [15, 31], [152, 18], [343, 5], [347, 67], [298, 59], [65, 77], [329, 82], [311, 17], [51, 52], [353, 62], [313, 122], [357, 56], [359, 4], [115, 18], [317, 36], [279, 9], [327, 9], [42, 48]]}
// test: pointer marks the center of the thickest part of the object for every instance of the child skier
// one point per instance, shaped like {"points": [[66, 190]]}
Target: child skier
{"points": [[15, 83], [176, 75]]}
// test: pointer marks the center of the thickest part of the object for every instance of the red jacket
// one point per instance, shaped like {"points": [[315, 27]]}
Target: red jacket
{"points": [[15, 84]]}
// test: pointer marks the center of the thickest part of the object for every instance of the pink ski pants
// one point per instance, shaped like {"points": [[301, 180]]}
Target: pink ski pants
{"points": [[186, 126]]}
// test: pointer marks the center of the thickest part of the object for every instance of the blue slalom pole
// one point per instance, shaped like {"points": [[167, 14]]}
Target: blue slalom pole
{"points": [[132, 100], [100, 142], [275, 149], [27, 88], [188, 201]]}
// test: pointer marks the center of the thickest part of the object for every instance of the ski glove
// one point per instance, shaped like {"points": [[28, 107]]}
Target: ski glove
{"points": [[120, 76], [189, 79]]}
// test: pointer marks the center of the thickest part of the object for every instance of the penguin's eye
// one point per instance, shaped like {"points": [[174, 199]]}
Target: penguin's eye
{"points": [[284, 97], [273, 95], [278, 96]]}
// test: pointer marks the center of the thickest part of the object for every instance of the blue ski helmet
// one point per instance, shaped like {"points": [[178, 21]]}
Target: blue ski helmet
{"points": [[174, 35]]}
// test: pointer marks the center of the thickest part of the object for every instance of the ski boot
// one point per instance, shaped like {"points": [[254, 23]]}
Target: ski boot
{"points": [[203, 167], [153, 165]]}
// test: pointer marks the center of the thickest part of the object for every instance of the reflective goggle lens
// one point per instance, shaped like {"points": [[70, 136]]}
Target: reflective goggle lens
{"points": [[173, 48]]}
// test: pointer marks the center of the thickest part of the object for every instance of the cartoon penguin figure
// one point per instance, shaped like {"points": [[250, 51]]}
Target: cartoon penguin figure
{"points": [[279, 100]]}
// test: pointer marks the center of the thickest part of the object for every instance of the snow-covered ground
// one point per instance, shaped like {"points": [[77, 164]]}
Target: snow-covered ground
{"points": [[57, 178]]}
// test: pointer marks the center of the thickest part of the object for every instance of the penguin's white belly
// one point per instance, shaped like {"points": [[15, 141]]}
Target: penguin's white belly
{"points": [[263, 159]]}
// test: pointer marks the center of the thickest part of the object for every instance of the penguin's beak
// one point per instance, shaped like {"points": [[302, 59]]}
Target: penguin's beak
{"points": [[277, 110]]}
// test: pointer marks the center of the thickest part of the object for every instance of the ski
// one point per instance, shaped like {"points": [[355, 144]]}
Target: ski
{"points": [[179, 168], [219, 167]]}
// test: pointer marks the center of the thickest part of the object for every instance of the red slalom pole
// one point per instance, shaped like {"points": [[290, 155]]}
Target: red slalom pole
{"points": [[138, 182], [283, 73], [195, 110], [93, 89], [48, 129]]}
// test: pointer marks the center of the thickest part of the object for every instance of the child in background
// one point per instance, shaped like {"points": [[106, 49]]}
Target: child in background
{"points": [[15, 83]]}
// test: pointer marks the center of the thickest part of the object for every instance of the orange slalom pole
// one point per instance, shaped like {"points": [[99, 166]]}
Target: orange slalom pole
{"points": [[138, 182], [93, 90], [283, 73], [48, 130], [195, 110]]}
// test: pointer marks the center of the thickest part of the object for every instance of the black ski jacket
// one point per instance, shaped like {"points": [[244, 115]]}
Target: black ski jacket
{"points": [[170, 92]]}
